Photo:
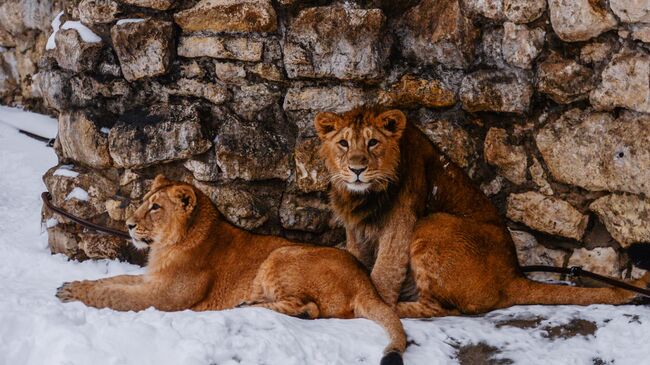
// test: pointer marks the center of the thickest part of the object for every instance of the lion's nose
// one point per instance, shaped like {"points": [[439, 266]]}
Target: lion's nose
{"points": [[358, 171], [131, 226]]}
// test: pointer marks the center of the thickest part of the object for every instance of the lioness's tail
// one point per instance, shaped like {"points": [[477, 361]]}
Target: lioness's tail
{"points": [[523, 291], [376, 310]]}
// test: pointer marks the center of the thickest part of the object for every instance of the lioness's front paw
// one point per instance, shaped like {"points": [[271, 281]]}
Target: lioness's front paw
{"points": [[69, 292]]}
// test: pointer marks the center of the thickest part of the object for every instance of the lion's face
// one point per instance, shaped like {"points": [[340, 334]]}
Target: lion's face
{"points": [[361, 148], [164, 215]]}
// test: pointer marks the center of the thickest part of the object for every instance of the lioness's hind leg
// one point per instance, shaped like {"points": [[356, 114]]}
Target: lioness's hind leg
{"points": [[293, 307], [423, 309]]}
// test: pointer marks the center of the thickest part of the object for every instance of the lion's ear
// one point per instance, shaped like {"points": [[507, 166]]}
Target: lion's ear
{"points": [[159, 182], [185, 195], [393, 122], [325, 123]]}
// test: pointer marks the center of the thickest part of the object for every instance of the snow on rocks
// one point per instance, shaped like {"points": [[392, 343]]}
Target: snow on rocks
{"points": [[78, 194], [66, 171]]}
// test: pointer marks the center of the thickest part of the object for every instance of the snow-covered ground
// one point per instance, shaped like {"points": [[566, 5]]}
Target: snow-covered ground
{"points": [[35, 328]]}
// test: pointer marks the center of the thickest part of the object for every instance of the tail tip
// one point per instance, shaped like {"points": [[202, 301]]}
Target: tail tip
{"points": [[392, 358]]}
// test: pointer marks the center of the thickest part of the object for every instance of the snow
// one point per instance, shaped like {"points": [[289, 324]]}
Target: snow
{"points": [[38, 124], [78, 194], [105, 130], [84, 32], [126, 21], [35, 328], [66, 170]]}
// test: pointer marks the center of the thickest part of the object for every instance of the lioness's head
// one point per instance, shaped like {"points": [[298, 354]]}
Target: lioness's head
{"points": [[361, 147], [163, 217]]}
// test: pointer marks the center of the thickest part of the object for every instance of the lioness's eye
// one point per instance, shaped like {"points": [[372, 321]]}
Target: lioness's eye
{"points": [[343, 143], [155, 206], [372, 142]]}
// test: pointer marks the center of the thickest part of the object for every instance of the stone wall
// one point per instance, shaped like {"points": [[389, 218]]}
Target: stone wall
{"points": [[545, 104]]}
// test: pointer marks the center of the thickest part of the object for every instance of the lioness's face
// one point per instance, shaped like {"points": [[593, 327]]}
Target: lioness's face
{"points": [[163, 217], [361, 148]]}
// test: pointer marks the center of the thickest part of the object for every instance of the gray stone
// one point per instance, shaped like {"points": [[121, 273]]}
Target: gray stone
{"points": [[579, 20], [311, 173], [437, 31], [228, 16], [267, 71], [509, 159], [38, 14], [9, 77], [53, 87], [165, 133], [143, 48], [252, 101], [564, 81], [204, 167], [641, 32], [97, 11], [336, 41], [538, 176], [82, 141], [523, 11], [224, 47], [491, 9], [73, 54], [230, 72], [596, 152], [497, 91], [521, 45], [625, 83], [631, 11], [601, 260], [596, 52], [78, 190], [215, 93], [253, 150], [153, 4], [529, 252], [11, 16], [627, 217], [547, 214], [308, 213]]}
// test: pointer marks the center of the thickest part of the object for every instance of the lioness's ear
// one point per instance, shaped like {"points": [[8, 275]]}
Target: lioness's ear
{"points": [[185, 195], [159, 182], [393, 122], [326, 122]]}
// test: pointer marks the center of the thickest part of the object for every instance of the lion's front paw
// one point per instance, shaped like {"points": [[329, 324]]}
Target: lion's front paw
{"points": [[70, 291]]}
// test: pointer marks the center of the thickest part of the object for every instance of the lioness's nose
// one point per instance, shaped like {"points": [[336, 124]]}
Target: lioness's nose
{"points": [[358, 171], [131, 226]]}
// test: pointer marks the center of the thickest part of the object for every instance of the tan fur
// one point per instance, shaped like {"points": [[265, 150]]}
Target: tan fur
{"points": [[462, 259], [199, 261]]}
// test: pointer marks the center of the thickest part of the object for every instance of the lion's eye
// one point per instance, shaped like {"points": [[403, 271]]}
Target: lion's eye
{"points": [[154, 206], [372, 142], [343, 143]]}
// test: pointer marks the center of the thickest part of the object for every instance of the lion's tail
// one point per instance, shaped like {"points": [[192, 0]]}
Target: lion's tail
{"points": [[374, 309]]}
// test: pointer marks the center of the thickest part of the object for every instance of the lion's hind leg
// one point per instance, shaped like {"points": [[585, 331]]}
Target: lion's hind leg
{"points": [[292, 306]]}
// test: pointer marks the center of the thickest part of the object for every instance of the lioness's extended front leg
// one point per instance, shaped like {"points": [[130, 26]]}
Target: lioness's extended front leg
{"points": [[391, 265], [123, 293]]}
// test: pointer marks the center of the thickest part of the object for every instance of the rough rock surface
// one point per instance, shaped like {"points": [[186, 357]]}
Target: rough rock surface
{"points": [[521, 45], [228, 16], [523, 11], [631, 11], [252, 151], [225, 47], [336, 41], [627, 217], [597, 152], [625, 83], [547, 214], [438, 32], [73, 54], [565, 81], [143, 48], [163, 134], [500, 91], [509, 159], [304, 212], [412, 91], [98, 11], [450, 138], [82, 140], [153, 4], [579, 20], [529, 252], [601, 260]]}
